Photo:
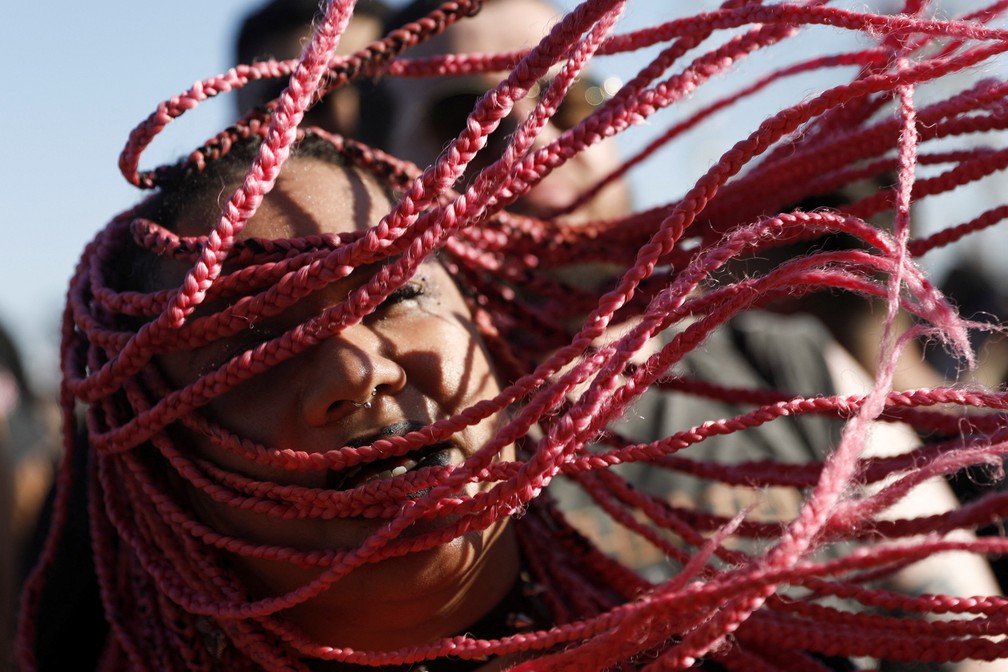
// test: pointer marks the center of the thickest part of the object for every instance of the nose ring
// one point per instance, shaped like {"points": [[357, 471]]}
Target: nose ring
{"points": [[366, 404]]}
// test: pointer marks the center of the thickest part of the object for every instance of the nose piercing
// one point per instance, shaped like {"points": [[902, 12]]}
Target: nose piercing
{"points": [[366, 404]]}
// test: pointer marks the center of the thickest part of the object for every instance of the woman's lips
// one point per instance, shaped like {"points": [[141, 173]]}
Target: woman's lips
{"points": [[384, 468], [437, 455]]}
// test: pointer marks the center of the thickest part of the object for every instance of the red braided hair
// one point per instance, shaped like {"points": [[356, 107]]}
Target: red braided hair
{"points": [[172, 601]]}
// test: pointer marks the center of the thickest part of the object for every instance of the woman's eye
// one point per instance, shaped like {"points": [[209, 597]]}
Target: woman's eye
{"points": [[247, 339], [410, 290]]}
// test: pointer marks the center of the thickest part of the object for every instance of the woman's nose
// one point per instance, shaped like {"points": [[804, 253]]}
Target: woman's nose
{"points": [[348, 371]]}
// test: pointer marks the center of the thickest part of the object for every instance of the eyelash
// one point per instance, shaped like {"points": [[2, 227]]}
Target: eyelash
{"points": [[259, 333], [410, 290]]}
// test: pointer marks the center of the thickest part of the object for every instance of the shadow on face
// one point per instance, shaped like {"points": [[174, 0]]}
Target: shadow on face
{"points": [[416, 359]]}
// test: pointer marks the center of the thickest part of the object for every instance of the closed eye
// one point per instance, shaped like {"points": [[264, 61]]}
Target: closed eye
{"points": [[255, 335], [265, 330], [409, 290]]}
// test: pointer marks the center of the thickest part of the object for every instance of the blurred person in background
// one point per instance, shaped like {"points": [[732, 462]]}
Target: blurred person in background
{"points": [[431, 111], [28, 452], [279, 29]]}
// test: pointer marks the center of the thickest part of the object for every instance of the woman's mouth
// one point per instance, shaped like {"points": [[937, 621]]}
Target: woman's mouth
{"points": [[436, 455]]}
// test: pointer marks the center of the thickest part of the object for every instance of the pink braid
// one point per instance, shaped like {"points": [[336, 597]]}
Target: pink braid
{"points": [[748, 590]]}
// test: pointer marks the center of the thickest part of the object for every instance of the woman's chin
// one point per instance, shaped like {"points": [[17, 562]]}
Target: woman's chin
{"points": [[415, 598]]}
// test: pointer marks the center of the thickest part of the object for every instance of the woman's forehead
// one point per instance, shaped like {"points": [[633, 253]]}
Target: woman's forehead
{"points": [[311, 196]]}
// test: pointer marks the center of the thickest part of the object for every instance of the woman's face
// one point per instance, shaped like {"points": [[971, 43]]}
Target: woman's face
{"points": [[415, 360]]}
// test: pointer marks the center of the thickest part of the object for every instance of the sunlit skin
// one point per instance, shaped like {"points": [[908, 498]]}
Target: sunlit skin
{"points": [[420, 351], [502, 25]]}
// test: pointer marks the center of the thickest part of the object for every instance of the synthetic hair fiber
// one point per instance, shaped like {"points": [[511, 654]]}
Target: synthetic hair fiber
{"points": [[918, 99]]}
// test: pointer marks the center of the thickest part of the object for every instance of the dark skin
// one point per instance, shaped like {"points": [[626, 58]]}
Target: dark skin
{"points": [[421, 353]]}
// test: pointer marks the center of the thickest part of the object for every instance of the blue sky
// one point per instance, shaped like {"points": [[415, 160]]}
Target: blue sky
{"points": [[79, 76]]}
